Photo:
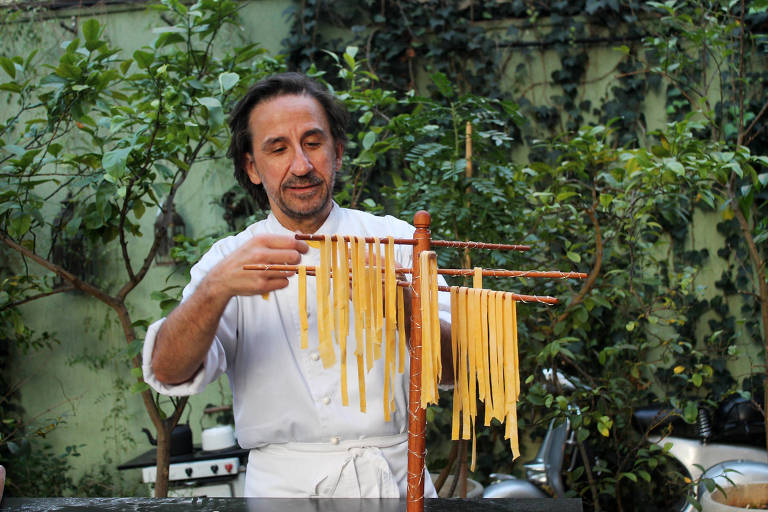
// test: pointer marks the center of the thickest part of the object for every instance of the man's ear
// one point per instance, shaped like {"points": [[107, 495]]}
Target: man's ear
{"points": [[250, 168], [339, 155]]}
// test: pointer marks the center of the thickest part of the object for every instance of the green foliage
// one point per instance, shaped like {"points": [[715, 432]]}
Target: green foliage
{"points": [[93, 143], [614, 199]]}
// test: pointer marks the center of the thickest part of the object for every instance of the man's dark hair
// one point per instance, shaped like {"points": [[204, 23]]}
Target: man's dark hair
{"points": [[272, 87]]}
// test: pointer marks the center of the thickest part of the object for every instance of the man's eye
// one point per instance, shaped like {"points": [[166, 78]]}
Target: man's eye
{"points": [[313, 144], [278, 150]]}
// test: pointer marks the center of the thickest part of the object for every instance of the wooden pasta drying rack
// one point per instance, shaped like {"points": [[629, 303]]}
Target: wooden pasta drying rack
{"points": [[421, 242]]}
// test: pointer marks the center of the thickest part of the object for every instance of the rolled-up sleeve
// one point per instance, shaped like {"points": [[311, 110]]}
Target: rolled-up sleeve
{"points": [[214, 365]]}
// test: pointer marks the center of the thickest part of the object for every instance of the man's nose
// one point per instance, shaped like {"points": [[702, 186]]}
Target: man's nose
{"points": [[301, 163]]}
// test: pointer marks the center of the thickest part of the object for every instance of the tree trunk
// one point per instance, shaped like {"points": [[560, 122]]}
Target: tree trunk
{"points": [[758, 262], [163, 460]]}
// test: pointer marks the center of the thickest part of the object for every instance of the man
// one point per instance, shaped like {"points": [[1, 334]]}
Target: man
{"points": [[288, 139]]}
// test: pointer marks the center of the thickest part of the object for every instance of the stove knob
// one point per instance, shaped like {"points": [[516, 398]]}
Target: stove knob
{"points": [[214, 468], [228, 467], [188, 471]]}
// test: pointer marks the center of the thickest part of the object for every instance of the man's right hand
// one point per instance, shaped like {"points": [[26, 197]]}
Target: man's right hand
{"points": [[186, 335], [229, 279]]}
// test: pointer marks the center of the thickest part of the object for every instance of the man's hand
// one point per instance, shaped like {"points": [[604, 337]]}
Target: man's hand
{"points": [[228, 279], [186, 335]]}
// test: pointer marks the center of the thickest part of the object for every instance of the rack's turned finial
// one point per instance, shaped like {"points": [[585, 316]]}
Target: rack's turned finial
{"points": [[421, 219]]}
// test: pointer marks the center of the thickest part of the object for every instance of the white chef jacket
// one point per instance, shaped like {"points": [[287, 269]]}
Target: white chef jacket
{"points": [[287, 407]]}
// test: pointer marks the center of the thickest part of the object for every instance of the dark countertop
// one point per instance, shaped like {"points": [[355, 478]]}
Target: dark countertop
{"points": [[284, 504]]}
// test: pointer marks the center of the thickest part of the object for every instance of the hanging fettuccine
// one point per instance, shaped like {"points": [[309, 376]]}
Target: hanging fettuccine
{"points": [[483, 332]]}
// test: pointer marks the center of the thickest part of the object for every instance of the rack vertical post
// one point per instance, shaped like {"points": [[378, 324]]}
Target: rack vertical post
{"points": [[417, 419]]}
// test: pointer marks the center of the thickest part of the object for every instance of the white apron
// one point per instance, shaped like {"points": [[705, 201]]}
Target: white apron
{"points": [[338, 469]]}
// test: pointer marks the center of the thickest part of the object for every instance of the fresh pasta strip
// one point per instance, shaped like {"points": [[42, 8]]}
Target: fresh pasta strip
{"points": [[324, 321], [435, 312], [499, 314], [303, 322], [378, 300], [366, 275], [390, 315], [426, 331], [357, 251], [477, 283], [473, 321], [401, 319], [341, 289], [336, 289], [455, 356], [484, 341], [430, 321], [497, 378], [464, 368]]}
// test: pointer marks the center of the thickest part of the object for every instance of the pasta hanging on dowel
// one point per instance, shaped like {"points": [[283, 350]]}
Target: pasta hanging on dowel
{"points": [[492, 364], [484, 339]]}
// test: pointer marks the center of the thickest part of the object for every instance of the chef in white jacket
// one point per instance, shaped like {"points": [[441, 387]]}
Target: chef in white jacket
{"points": [[288, 139]]}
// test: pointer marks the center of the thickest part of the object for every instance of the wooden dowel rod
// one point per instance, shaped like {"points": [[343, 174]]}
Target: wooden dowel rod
{"points": [[436, 243], [446, 271], [368, 239], [513, 273], [545, 299], [480, 245]]}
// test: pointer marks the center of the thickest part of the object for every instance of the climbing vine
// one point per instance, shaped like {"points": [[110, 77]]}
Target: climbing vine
{"points": [[601, 182]]}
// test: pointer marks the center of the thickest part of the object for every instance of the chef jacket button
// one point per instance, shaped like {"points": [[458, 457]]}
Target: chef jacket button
{"points": [[327, 400], [315, 356], [335, 440]]}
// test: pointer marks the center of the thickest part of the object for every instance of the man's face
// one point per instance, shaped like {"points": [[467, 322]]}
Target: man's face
{"points": [[295, 158]]}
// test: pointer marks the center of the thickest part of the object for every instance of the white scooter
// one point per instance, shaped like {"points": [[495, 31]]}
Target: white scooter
{"points": [[735, 433]]}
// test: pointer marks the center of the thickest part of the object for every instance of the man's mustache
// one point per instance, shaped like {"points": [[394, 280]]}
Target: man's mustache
{"points": [[303, 181]]}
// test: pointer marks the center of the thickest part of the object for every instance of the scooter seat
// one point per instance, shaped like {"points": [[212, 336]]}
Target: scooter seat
{"points": [[655, 418]]}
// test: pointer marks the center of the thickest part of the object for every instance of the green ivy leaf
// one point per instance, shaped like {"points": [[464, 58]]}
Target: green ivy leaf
{"points": [[209, 102], [8, 65], [369, 140], [228, 81], [91, 30], [115, 162], [139, 387], [143, 59], [19, 224]]}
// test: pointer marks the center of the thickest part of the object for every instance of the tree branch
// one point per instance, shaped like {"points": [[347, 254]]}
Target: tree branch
{"points": [[31, 298], [76, 282], [589, 283]]}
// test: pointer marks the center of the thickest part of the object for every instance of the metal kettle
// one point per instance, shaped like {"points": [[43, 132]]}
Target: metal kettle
{"points": [[181, 440]]}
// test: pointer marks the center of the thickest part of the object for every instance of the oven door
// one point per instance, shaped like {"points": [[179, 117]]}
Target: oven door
{"points": [[219, 487]]}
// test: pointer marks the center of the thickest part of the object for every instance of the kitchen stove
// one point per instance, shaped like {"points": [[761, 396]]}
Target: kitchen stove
{"points": [[219, 473]]}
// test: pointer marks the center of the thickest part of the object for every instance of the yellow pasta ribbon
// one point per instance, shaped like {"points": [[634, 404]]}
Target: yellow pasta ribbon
{"points": [[324, 321], [378, 302], [426, 331], [303, 322], [342, 259], [358, 277], [390, 310]]}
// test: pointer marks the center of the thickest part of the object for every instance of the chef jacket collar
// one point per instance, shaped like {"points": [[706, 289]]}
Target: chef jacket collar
{"points": [[329, 227]]}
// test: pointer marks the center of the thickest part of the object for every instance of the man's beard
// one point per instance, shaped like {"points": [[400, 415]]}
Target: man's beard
{"points": [[316, 203]]}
